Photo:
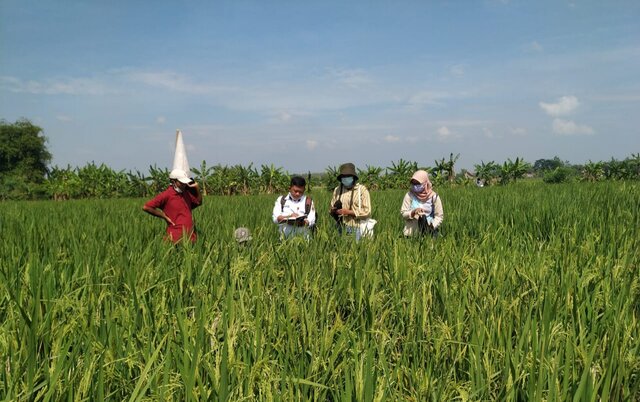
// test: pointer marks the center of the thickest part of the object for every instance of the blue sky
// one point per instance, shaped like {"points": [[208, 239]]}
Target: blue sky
{"points": [[308, 84]]}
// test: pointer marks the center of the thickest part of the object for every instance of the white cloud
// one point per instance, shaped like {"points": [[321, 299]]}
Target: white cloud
{"points": [[168, 80], [535, 47], [444, 133], [568, 127], [427, 98], [391, 138], [284, 117], [519, 131], [564, 106], [488, 132], [352, 78], [69, 86], [457, 70], [312, 144]]}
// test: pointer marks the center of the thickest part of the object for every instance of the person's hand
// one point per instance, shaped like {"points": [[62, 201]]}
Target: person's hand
{"points": [[417, 212], [193, 184], [344, 211]]}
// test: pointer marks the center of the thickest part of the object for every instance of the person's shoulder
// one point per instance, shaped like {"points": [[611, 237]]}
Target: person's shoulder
{"points": [[161, 197], [167, 192]]}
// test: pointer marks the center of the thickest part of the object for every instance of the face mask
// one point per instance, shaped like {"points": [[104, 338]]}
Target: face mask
{"points": [[347, 181], [417, 188]]}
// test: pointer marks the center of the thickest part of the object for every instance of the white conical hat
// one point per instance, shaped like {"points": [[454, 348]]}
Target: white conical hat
{"points": [[180, 160]]}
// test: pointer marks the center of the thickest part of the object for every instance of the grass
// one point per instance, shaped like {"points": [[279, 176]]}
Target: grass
{"points": [[532, 293]]}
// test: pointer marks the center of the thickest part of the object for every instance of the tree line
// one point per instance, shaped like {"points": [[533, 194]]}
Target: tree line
{"points": [[25, 173]]}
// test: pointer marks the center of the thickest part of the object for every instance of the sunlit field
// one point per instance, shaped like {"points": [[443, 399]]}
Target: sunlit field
{"points": [[532, 292]]}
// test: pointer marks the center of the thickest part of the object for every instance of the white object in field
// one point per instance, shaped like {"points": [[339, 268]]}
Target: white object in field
{"points": [[180, 160]]}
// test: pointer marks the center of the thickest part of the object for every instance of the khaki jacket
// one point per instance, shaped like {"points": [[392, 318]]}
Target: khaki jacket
{"points": [[357, 199]]}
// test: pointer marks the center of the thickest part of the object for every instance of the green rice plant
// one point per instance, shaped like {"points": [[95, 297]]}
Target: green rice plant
{"points": [[528, 294]]}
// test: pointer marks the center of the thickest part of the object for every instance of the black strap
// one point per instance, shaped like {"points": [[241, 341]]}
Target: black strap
{"points": [[283, 200], [307, 204], [353, 190]]}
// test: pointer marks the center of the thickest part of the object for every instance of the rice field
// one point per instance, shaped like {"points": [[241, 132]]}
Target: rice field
{"points": [[531, 293]]}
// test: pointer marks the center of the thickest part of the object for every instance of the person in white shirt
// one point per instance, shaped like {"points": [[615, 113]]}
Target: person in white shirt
{"points": [[295, 213]]}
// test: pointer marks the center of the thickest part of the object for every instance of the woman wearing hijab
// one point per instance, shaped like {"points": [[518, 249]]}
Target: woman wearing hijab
{"points": [[421, 207]]}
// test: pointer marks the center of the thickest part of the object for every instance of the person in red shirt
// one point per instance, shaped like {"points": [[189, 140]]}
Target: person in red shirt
{"points": [[174, 205]]}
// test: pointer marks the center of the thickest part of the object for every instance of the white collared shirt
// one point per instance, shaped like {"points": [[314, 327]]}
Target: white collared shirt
{"points": [[290, 207]]}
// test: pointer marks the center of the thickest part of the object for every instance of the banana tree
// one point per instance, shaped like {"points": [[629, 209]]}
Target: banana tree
{"points": [[593, 171], [272, 179], [329, 177], [63, 183], [244, 179], [202, 175], [370, 176], [487, 172], [450, 167], [398, 175], [159, 178], [513, 170]]}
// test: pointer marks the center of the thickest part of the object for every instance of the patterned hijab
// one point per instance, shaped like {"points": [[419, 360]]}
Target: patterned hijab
{"points": [[422, 177]]}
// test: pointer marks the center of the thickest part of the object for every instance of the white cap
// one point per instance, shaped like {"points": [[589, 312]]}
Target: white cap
{"points": [[180, 175]]}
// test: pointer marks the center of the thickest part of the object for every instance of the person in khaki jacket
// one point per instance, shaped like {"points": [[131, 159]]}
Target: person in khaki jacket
{"points": [[421, 207], [351, 204]]}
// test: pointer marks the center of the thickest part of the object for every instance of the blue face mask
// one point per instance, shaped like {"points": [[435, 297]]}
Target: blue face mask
{"points": [[417, 188], [347, 181]]}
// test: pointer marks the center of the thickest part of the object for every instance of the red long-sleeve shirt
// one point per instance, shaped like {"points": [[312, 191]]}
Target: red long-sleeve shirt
{"points": [[177, 206]]}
